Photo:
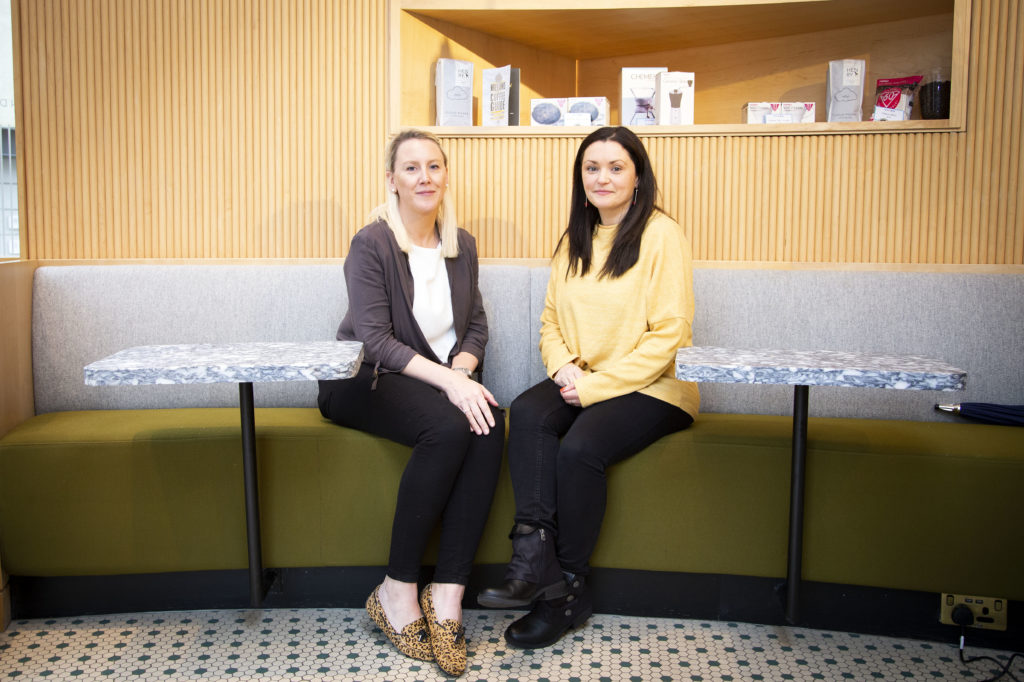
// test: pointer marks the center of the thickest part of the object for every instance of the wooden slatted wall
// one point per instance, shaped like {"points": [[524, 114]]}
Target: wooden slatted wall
{"points": [[254, 128], [195, 128]]}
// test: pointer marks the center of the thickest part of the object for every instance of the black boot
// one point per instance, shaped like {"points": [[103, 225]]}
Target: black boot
{"points": [[533, 571], [552, 618]]}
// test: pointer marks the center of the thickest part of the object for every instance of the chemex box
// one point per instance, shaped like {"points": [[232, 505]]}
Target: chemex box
{"points": [[638, 87], [586, 111], [547, 111], [673, 98], [453, 84], [844, 90]]}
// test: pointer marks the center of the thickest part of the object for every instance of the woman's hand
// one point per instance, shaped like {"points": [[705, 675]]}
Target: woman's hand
{"points": [[473, 399], [566, 377]]}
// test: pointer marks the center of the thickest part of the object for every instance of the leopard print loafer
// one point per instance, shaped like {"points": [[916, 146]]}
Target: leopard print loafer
{"points": [[413, 640], [447, 637]]}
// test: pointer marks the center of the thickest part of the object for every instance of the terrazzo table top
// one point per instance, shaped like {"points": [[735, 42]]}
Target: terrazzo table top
{"points": [[816, 368], [227, 362]]}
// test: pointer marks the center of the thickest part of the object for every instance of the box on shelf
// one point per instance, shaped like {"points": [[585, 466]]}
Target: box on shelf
{"points": [[800, 112], [894, 98], [547, 112], [673, 98], [756, 112], [586, 111], [499, 96], [638, 87], [779, 112], [844, 90], [453, 84]]}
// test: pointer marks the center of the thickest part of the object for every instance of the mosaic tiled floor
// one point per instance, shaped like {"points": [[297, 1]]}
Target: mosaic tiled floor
{"points": [[342, 644]]}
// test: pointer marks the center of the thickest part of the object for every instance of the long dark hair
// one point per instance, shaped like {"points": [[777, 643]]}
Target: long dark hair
{"points": [[583, 217]]}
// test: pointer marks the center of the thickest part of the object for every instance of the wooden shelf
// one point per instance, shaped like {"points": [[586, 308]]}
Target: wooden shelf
{"points": [[706, 130], [741, 51]]}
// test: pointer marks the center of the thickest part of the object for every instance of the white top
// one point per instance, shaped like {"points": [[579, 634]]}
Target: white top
{"points": [[432, 299]]}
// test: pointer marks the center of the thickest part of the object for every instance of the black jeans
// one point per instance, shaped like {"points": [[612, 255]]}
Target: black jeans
{"points": [[558, 455], [450, 476]]}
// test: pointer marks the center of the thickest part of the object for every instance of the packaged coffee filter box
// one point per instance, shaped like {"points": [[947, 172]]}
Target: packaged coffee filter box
{"points": [[779, 112], [499, 97], [673, 98], [586, 111], [547, 111], [894, 98], [453, 85], [844, 89], [638, 87]]}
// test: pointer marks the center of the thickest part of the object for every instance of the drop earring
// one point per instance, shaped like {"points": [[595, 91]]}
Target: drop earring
{"points": [[585, 204], [634, 195]]}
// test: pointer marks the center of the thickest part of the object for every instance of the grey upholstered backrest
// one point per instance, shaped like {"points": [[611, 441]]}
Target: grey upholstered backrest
{"points": [[83, 313], [973, 321]]}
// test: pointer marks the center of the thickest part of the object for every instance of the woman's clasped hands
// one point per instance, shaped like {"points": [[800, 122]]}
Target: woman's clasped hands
{"points": [[566, 377], [472, 398]]}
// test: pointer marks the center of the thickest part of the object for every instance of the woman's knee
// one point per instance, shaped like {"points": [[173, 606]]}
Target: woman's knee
{"points": [[580, 451], [450, 432], [535, 407]]}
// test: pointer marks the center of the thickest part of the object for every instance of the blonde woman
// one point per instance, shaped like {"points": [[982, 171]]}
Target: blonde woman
{"points": [[414, 303]]}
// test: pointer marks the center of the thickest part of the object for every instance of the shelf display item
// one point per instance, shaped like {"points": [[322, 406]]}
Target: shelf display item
{"points": [[499, 96], [894, 98], [800, 112], [844, 86], [595, 108], [759, 112], [934, 95], [638, 88], [673, 98], [547, 112], [453, 84], [779, 112]]}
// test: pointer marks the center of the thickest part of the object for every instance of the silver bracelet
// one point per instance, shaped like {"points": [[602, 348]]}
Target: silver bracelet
{"points": [[465, 370]]}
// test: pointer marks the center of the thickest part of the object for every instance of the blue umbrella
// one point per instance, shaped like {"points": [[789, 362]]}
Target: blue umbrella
{"points": [[988, 413]]}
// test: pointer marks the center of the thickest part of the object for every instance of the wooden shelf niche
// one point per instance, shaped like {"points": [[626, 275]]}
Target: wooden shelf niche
{"points": [[740, 51]]}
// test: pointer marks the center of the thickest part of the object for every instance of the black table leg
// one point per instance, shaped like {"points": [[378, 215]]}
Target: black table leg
{"points": [[796, 504], [252, 495]]}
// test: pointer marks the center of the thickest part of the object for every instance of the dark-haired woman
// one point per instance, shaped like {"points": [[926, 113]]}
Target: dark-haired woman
{"points": [[414, 302], [619, 304]]}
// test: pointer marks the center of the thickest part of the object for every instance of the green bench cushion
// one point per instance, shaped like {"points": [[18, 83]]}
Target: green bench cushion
{"points": [[906, 505]]}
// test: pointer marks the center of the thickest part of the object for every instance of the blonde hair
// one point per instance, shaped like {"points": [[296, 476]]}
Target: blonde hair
{"points": [[447, 225]]}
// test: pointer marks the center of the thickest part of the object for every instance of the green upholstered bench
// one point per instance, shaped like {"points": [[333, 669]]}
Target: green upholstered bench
{"points": [[147, 480]]}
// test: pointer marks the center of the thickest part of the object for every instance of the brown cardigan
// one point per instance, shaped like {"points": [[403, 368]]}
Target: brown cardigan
{"points": [[380, 297]]}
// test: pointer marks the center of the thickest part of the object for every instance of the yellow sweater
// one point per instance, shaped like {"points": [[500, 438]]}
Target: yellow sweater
{"points": [[624, 332]]}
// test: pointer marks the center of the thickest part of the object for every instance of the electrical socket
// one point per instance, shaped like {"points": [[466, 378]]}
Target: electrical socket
{"points": [[989, 612]]}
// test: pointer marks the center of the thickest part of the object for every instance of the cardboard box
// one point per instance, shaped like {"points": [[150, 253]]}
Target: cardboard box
{"points": [[757, 112], [673, 98], [800, 112], [594, 108], [453, 85], [779, 112], [844, 90], [638, 87], [499, 96], [547, 112]]}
